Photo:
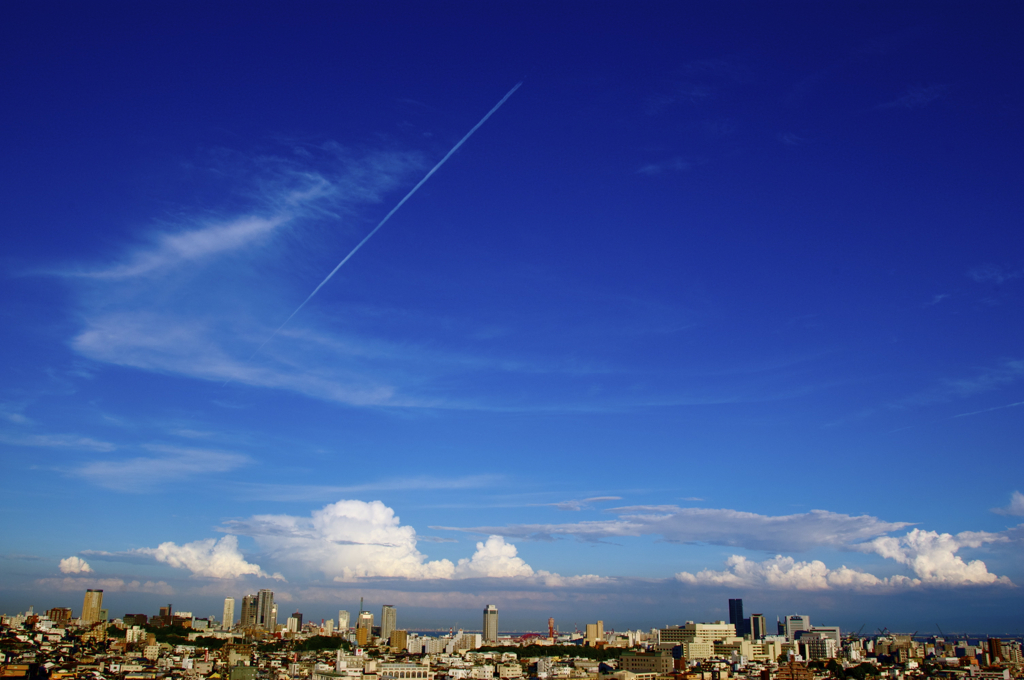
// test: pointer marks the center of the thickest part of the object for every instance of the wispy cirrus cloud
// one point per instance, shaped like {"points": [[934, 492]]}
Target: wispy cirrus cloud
{"points": [[580, 504], [993, 273], [916, 97], [61, 441], [169, 463], [314, 492], [713, 526]]}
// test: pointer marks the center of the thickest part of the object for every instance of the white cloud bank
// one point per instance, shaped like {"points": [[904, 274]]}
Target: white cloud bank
{"points": [[352, 539], [74, 565], [207, 558], [930, 555]]}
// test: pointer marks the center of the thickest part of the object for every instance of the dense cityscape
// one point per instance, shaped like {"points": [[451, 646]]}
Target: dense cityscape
{"points": [[261, 643]]}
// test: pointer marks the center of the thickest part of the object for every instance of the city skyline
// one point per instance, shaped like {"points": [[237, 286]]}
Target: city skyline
{"points": [[664, 305]]}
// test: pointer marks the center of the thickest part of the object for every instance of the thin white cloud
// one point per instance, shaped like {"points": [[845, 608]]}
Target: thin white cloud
{"points": [[171, 464], [579, 504], [175, 249], [917, 97], [62, 441], [993, 273], [672, 165], [74, 565], [1015, 508], [109, 585], [209, 558], [715, 526], [308, 492], [988, 410]]}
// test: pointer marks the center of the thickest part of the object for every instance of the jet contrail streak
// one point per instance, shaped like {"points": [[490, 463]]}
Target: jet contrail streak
{"points": [[386, 218]]}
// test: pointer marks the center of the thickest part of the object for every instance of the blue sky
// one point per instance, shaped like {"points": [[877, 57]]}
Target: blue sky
{"points": [[724, 301]]}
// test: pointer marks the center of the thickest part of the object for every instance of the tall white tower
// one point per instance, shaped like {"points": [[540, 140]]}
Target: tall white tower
{"points": [[343, 621], [229, 614], [388, 621], [490, 623]]}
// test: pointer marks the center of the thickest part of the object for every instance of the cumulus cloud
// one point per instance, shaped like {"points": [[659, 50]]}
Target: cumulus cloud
{"points": [[110, 585], [74, 565], [351, 539], [345, 540], [1015, 508], [933, 559], [715, 526], [785, 573], [208, 558], [493, 558]]}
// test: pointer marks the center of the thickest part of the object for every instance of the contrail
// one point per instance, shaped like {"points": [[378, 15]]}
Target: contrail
{"points": [[386, 218]]}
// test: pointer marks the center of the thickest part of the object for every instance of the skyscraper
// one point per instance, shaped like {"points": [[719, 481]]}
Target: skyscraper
{"points": [[365, 621], [229, 613], [91, 606], [343, 621], [490, 623], [265, 610], [388, 621], [796, 623], [736, 612], [736, 617], [248, 615]]}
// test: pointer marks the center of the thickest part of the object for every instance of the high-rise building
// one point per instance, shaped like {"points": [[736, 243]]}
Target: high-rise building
{"points": [[292, 625], [399, 640], [758, 628], [794, 624], [248, 615], [91, 606], [271, 625], [736, 613], [594, 633], [388, 621], [343, 621], [365, 621], [490, 623], [229, 613], [265, 617]]}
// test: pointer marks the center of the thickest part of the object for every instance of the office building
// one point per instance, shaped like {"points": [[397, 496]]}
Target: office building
{"points": [[298, 617], [388, 621], [292, 625], [758, 627], [399, 640], [229, 613], [91, 606], [343, 620], [794, 624], [594, 634], [365, 621], [490, 623]]}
